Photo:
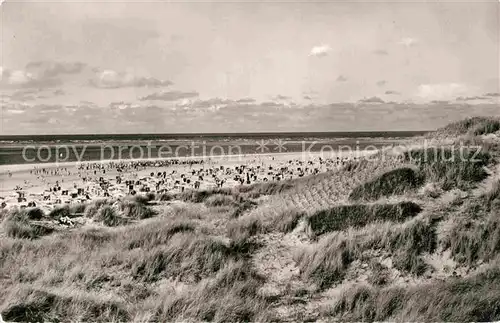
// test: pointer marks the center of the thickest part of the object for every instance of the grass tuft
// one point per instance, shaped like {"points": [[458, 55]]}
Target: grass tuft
{"points": [[394, 182], [326, 262], [37, 305], [473, 299], [108, 216], [453, 168], [232, 296], [358, 215]]}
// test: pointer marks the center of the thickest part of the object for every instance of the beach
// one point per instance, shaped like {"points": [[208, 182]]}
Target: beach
{"points": [[49, 185], [49, 174]]}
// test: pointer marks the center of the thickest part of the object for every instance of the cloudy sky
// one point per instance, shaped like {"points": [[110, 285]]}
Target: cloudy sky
{"points": [[122, 67]]}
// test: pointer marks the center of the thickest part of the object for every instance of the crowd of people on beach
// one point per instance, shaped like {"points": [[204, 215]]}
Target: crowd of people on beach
{"points": [[119, 178]]}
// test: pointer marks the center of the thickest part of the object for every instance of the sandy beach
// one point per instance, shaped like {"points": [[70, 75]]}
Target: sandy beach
{"points": [[53, 184]]}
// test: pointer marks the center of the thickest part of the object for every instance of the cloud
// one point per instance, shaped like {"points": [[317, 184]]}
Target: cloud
{"points": [[110, 79], [155, 117], [320, 51], [37, 75], [440, 102], [15, 78], [87, 103], [50, 69], [213, 103], [46, 74], [492, 94], [441, 91], [13, 111], [372, 99], [170, 96], [391, 92], [408, 41], [22, 95], [121, 105], [246, 100], [381, 83], [381, 52], [280, 97], [307, 97], [471, 98], [341, 78]]}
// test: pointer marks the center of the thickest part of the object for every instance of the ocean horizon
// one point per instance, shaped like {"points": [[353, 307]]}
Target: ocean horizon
{"points": [[15, 150], [207, 136]]}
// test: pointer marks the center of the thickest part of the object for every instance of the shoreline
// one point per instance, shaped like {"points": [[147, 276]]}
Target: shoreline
{"points": [[16, 168]]}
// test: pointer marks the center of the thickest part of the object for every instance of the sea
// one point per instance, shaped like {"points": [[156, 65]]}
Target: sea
{"points": [[28, 149]]}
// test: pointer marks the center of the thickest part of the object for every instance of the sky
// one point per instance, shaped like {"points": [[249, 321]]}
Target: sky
{"points": [[240, 66]]}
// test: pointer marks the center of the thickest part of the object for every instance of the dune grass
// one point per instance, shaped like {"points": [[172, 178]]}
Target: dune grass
{"points": [[17, 223], [474, 126], [326, 262], [119, 212], [331, 188], [260, 223], [394, 182], [109, 217], [470, 241], [475, 235], [30, 304], [474, 299], [451, 167], [490, 126], [267, 188], [135, 210], [379, 274], [357, 215], [24, 230], [107, 260], [187, 256], [238, 193], [231, 296], [219, 200]]}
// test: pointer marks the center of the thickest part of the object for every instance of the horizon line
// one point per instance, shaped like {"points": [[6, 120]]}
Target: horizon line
{"points": [[220, 133]]}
